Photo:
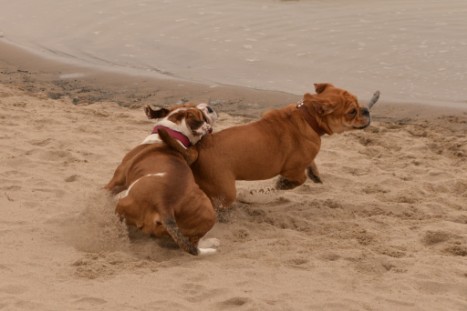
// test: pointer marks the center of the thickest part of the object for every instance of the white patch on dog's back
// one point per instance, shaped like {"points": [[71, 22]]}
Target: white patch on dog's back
{"points": [[151, 139], [156, 174], [125, 193]]}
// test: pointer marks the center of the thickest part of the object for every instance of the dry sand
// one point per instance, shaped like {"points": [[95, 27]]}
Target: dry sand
{"points": [[386, 230]]}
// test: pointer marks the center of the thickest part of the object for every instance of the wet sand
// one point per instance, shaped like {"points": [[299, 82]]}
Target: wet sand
{"points": [[412, 50]]}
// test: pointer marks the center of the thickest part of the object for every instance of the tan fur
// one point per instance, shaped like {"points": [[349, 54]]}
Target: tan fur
{"points": [[281, 143]]}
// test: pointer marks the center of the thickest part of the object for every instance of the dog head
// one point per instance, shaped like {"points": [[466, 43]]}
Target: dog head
{"points": [[157, 113], [187, 119], [209, 113], [336, 109]]}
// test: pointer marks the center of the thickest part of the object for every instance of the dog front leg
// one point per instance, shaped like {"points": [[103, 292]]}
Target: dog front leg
{"points": [[313, 173], [221, 190]]}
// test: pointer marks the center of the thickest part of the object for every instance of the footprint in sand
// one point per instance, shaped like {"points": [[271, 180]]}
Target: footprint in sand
{"points": [[93, 301], [435, 237], [71, 178], [40, 142], [259, 196], [235, 302], [456, 249]]}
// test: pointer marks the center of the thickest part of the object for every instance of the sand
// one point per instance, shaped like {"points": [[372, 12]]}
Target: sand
{"points": [[387, 229]]}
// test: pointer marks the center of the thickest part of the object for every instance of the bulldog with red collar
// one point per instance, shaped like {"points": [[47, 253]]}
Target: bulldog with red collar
{"points": [[158, 192]]}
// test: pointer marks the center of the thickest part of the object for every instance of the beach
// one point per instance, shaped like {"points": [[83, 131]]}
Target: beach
{"points": [[386, 230], [411, 50]]}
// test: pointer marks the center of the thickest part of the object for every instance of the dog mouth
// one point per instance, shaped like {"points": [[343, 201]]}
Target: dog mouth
{"points": [[205, 129], [209, 119], [365, 118], [362, 126]]}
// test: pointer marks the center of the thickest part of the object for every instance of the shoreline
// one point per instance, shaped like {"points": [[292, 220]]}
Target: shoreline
{"points": [[48, 78], [82, 85], [412, 51]]}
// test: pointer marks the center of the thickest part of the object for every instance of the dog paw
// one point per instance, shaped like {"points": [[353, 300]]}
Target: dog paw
{"points": [[314, 176], [285, 184], [206, 251], [210, 243]]}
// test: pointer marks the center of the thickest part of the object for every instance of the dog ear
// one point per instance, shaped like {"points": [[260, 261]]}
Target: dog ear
{"points": [[178, 116], [156, 113], [323, 107], [320, 87]]}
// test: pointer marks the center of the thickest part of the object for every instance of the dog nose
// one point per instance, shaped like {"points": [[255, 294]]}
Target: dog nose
{"points": [[210, 109], [365, 112]]}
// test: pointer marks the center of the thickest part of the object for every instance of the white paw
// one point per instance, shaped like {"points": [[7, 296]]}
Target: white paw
{"points": [[206, 251], [209, 243]]}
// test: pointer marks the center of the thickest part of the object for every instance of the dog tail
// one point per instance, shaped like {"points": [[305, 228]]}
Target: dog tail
{"points": [[182, 241]]}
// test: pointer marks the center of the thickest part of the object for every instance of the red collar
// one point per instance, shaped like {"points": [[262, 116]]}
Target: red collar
{"points": [[310, 120], [174, 134]]}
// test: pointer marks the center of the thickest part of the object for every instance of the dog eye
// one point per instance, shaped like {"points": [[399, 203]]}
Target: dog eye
{"points": [[210, 109], [353, 112]]}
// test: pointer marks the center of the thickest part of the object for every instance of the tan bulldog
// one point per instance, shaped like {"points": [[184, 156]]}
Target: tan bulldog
{"points": [[283, 142]]}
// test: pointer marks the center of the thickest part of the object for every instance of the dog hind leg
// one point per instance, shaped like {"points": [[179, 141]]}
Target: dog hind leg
{"points": [[182, 241], [117, 183], [290, 181]]}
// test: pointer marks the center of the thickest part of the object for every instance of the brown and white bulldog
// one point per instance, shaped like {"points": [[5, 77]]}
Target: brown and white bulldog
{"points": [[183, 126], [283, 142], [160, 194]]}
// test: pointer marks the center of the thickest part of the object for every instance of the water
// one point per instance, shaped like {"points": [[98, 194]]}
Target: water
{"points": [[413, 50]]}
